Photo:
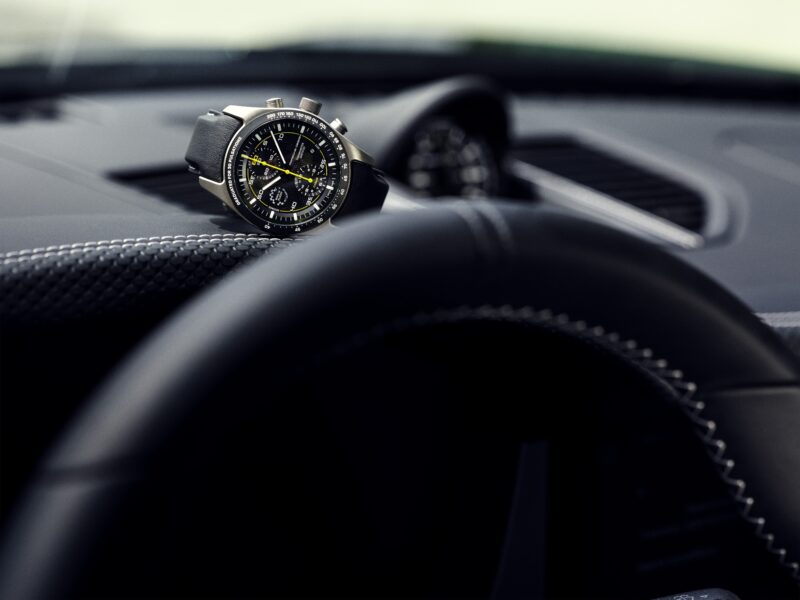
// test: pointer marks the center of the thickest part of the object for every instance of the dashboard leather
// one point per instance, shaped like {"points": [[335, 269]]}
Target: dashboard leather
{"points": [[377, 269], [57, 186], [787, 324], [86, 280]]}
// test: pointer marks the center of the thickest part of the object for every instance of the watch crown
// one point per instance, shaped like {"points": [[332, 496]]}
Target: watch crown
{"points": [[310, 105], [339, 126], [275, 103]]}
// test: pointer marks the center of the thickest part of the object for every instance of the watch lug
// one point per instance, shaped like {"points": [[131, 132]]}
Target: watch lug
{"points": [[321, 228], [219, 189], [356, 153]]}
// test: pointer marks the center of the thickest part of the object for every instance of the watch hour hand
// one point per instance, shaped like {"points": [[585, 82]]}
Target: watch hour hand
{"points": [[270, 184]]}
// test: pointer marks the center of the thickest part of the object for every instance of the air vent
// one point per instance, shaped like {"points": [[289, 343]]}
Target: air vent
{"points": [[614, 176], [175, 185]]}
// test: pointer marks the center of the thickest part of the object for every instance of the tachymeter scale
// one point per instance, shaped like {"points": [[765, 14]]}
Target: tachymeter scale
{"points": [[288, 174]]}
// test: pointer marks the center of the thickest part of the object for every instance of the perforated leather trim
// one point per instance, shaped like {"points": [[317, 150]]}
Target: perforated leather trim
{"points": [[95, 277], [91, 278], [630, 351]]}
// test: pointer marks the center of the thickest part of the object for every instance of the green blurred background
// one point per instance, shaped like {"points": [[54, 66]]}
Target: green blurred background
{"points": [[750, 33]]}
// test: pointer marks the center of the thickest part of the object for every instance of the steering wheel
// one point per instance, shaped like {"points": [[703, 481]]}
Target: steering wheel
{"points": [[253, 439]]}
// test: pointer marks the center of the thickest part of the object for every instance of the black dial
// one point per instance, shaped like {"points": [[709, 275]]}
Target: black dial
{"points": [[288, 173], [446, 160]]}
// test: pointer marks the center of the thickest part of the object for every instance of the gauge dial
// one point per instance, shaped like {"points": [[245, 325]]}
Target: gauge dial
{"points": [[289, 173], [448, 161]]}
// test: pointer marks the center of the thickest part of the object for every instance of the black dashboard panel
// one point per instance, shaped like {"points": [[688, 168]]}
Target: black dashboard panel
{"points": [[759, 259], [71, 175], [110, 166]]}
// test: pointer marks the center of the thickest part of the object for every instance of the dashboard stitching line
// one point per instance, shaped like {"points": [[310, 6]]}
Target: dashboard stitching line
{"points": [[477, 226], [498, 221], [17, 256], [74, 280], [630, 350]]}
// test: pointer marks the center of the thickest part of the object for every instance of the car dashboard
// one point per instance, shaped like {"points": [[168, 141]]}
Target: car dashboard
{"points": [[110, 166], [715, 182]]}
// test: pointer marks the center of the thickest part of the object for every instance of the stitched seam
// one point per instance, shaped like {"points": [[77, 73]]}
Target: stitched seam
{"points": [[81, 279], [477, 227], [630, 351], [18, 256], [498, 221]]}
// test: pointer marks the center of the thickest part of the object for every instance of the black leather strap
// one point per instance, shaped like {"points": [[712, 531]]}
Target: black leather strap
{"points": [[368, 189], [206, 150]]}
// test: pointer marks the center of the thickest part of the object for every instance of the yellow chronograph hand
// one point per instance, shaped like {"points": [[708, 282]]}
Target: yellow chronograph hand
{"points": [[271, 166]]}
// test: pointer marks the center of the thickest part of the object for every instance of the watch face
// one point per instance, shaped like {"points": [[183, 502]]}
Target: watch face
{"points": [[287, 172]]}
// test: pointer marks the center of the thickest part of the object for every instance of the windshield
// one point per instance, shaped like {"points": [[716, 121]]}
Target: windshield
{"points": [[58, 32]]}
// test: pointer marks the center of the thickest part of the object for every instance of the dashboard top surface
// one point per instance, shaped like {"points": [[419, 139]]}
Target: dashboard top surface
{"points": [[57, 171]]}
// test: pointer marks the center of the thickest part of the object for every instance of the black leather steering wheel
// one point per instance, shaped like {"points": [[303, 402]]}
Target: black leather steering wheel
{"points": [[456, 263]]}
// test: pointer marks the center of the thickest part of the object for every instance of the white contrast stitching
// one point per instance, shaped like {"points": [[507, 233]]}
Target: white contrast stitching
{"points": [[18, 256], [642, 357], [684, 391]]}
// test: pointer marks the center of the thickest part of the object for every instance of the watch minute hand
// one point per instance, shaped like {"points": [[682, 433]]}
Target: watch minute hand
{"points": [[278, 146]]}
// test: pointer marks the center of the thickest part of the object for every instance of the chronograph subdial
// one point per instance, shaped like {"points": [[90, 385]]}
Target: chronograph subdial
{"points": [[277, 198], [260, 176], [316, 181]]}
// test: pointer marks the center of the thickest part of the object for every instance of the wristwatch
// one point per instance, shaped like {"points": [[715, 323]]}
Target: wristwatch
{"points": [[284, 170]]}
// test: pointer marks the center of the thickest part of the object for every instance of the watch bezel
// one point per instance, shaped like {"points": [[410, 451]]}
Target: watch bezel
{"points": [[253, 122]]}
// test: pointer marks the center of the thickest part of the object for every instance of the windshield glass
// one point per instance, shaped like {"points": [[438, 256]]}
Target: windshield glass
{"points": [[58, 32]]}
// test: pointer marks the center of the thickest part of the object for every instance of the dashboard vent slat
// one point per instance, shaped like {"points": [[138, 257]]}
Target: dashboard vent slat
{"points": [[616, 177]]}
